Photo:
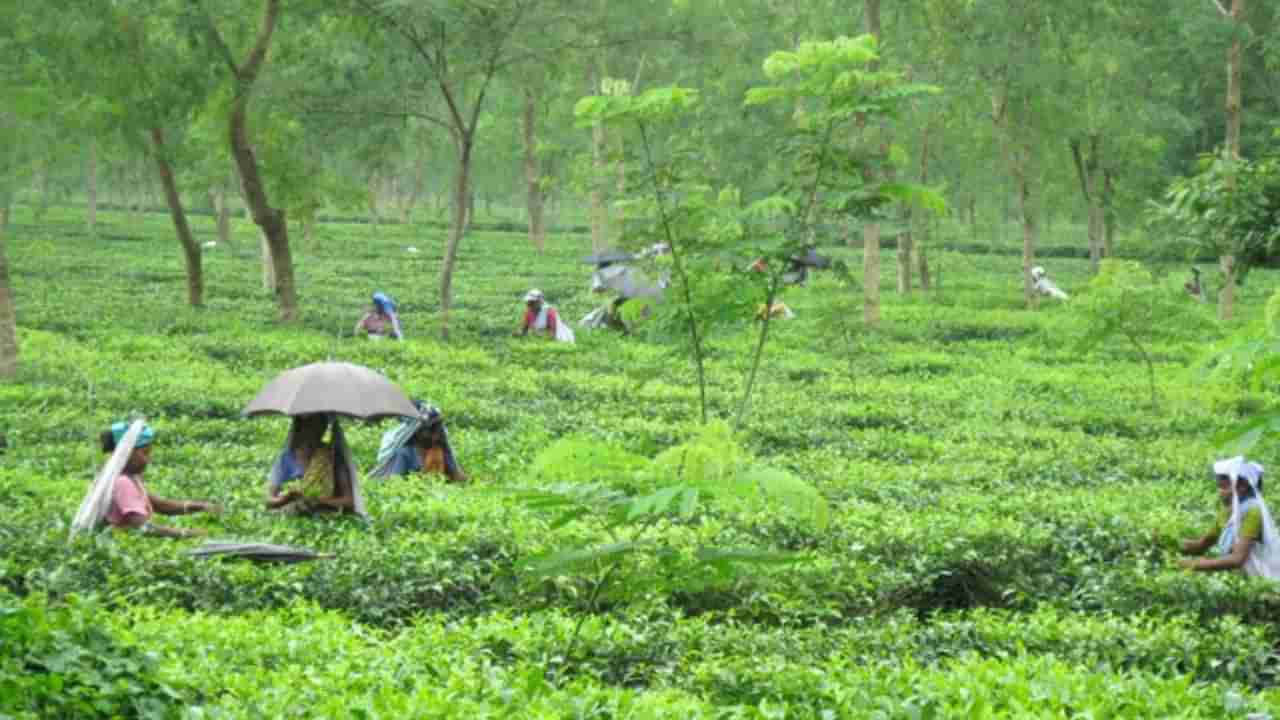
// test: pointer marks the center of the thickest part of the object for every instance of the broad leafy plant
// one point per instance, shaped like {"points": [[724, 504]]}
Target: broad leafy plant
{"points": [[1126, 302], [825, 88], [627, 544]]}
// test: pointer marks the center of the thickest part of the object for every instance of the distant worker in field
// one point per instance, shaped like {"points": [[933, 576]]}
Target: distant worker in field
{"points": [[132, 506], [1044, 286], [1243, 536], [419, 444], [777, 311], [628, 284], [381, 320], [540, 317], [311, 475], [1192, 286]]}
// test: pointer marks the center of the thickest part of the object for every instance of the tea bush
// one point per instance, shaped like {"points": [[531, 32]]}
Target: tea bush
{"points": [[999, 505]]}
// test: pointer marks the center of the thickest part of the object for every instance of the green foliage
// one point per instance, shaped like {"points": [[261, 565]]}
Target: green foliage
{"points": [[61, 661], [1232, 207], [989, 492], [1125, 301]]}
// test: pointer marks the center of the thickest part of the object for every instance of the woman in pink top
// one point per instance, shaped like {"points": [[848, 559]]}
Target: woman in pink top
{"points": [[131, 505], [538, 315]]}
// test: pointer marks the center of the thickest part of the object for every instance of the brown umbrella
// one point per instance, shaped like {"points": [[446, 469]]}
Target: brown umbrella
{"points": [[331, 387]]}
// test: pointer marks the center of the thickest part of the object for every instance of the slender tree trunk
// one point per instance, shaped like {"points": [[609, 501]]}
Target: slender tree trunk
{"points": [[309, 227], [91, 187], [190, 249], [1227, 296], [1107, 215], [1022, 186], [599, 210], [419, 183], [222, 214], [1086, 162], [1234, 108], [461, 191], [271, 220], [871, 274], [268, 264], [871, 230], [532, 173], [1234, 104], [922, 245], [8, 316], [375, 217]]}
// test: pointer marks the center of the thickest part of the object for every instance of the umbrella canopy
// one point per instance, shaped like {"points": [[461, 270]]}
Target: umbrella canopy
{"points": [[260, 552], [331, 387], [812, 259], [610, 255]]}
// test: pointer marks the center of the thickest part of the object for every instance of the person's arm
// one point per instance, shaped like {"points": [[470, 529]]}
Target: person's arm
{"points": [[279, 501], [1198, 546], [182, 507], [360, 324], [344, 502], [524, 326], [138, 523], [1232, 561]]}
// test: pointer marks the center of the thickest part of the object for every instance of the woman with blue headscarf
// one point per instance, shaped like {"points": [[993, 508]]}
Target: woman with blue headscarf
{"points": [[132, 506], [419, 444], [381, 320]]}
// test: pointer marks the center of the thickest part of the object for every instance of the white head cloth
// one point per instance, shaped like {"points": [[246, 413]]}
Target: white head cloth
{"points": [[1264, 559], [96, 503]]}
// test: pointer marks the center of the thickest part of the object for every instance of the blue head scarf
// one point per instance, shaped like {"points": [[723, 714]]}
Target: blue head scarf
{"points": [[387, 306], [145, 437]]}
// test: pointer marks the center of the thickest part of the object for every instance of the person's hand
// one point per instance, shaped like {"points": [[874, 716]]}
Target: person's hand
{"points": [[211, 508], [1189, 563], [194, 532]]}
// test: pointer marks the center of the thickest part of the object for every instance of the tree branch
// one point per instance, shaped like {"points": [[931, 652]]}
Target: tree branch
{"points": [[219, 44], [253, 63], [1225, 12]]}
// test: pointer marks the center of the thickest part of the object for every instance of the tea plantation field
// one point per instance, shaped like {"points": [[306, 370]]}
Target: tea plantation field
{"points": [[1001, 504]]}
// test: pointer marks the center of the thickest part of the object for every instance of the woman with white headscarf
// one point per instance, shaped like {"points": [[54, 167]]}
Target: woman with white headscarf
{"points": [[543, 318], [1243, 536]]}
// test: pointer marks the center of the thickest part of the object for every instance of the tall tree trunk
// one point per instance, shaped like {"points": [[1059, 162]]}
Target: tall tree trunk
{"points": [[1234, 104], [42, 187], [1234, 108], [271, 220], [1108, 214], [91, 187], [268, 264], [415, 192], [190, 249], [8, 317], [1022, 186], [599, 210], [222, 214], [1086, 163], [458, 228], [922, 259], [375, 217], [871, 230], [871, 274], [309, 227], [1227, 296], [532, 173]]}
